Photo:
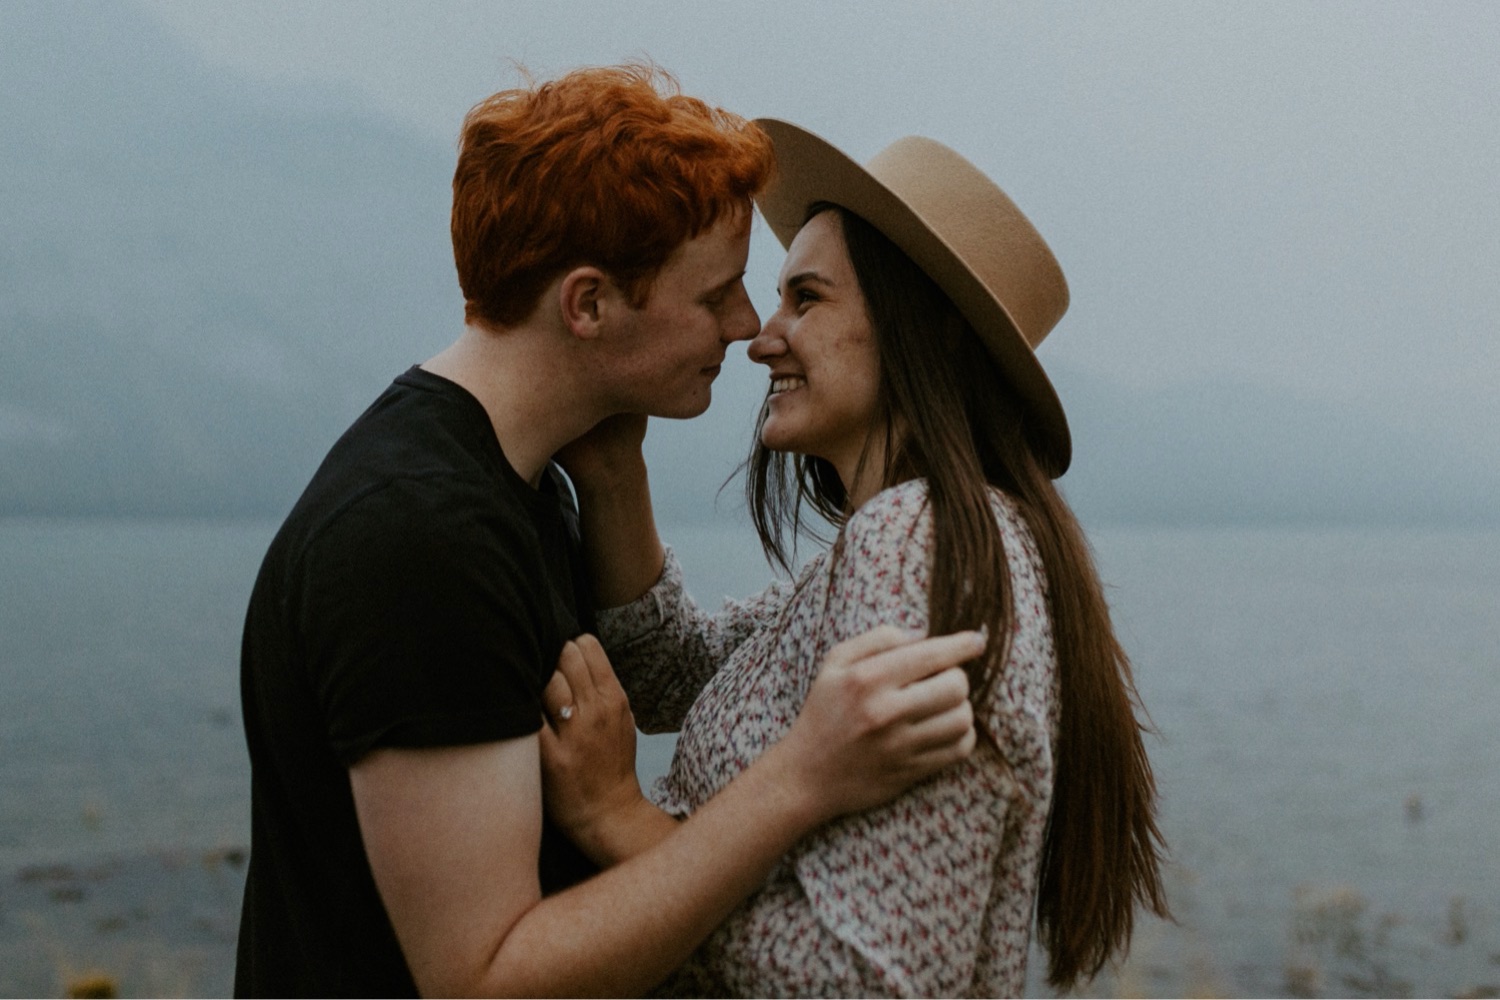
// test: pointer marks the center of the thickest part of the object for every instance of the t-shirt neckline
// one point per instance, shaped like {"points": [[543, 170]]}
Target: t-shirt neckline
{"points": [[421, 379]]}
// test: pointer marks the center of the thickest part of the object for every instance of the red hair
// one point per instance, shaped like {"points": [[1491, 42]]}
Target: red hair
{"points": [[608, 166]]}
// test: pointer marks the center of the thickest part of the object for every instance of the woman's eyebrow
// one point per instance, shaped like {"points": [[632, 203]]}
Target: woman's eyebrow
{"points": [[803, 278]]}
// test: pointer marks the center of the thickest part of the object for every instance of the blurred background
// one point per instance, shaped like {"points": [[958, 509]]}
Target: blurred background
{"points": [[223, 230]]}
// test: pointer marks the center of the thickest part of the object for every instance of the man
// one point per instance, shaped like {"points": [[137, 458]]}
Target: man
{"points": [[411, 610]]}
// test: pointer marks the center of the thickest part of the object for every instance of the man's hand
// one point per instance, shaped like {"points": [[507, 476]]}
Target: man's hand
{"points": [[887, 710]]}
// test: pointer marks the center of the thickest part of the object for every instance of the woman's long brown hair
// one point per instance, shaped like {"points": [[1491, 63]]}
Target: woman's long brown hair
{"points": [[949, 420]]}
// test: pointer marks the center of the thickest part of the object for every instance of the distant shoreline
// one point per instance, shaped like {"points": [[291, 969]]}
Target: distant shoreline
{"points": [[156, 923]]}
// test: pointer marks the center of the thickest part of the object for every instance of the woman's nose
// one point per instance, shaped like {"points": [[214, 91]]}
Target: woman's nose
{"points": [[770, 343]]}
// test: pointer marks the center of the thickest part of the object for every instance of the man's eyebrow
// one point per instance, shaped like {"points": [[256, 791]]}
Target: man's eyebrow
{"points": [[725, 285], [803, 278]]}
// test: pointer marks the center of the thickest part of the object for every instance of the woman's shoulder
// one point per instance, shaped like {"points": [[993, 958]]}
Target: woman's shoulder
{"points": [[900, 518], [894, 523], [905, 505]]}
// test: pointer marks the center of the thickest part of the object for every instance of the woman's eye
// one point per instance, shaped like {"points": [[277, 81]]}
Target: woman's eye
{"points": [[803, 296]]}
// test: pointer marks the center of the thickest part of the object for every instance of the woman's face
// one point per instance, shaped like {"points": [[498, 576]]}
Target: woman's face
{"points": [[820, 348]]}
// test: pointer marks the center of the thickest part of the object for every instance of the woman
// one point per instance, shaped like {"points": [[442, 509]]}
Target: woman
{"points": [[906, 406]]}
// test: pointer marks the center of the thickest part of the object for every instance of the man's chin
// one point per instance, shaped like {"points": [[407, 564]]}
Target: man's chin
{"points": [[684, 409]]}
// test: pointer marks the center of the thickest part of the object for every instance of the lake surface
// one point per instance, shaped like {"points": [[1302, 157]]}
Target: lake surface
{"points": [[1328, 751]]}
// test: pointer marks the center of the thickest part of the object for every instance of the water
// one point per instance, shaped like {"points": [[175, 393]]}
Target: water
{"points": [[1327, 755], [119, 646], [1326, 702]]}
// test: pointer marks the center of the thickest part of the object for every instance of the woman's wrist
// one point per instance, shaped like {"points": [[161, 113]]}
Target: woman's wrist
{"points": [[606, 477], [624, 832]]}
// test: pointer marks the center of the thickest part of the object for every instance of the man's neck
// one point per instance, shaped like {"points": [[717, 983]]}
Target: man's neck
{"points": [[524, 382]]}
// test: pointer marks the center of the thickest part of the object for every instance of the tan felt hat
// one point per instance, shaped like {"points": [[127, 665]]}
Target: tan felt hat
{"points": [[958, 227]]}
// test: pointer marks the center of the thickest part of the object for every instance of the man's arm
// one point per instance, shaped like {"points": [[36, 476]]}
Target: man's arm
{"points": [[452, 834]]}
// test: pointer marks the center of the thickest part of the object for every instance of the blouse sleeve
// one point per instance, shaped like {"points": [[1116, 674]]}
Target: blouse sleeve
{"points": [[665, 648], [889, 902]]}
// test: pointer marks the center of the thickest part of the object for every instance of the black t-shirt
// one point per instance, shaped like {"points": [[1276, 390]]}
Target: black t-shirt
{"points": [[418, 595]]}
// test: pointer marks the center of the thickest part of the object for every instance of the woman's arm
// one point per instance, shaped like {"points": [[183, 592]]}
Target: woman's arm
{"points": [[664, 647], [618, 524], [892, 901]]}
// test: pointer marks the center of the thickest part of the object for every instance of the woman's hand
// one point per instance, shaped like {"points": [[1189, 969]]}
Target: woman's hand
{"points": [[620, 542], [608, 451], [588, 755]]}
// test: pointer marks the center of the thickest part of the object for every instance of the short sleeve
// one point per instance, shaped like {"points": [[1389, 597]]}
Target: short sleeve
{"points": [[424, 622]]}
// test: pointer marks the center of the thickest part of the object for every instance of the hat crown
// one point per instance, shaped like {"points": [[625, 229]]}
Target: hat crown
{"points": [[982, 227]]}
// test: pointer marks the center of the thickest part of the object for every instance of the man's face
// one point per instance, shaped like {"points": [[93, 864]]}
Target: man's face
{"points": [[669, 350]]}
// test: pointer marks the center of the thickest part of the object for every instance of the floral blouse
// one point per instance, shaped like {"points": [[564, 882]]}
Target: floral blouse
{"points": [[929, 895]]}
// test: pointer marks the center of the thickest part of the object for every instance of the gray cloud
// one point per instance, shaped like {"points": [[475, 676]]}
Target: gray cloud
{"points": [[1278, 222]]}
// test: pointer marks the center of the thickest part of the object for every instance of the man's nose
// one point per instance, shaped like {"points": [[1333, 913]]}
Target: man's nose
{"points": [[746, 323]]}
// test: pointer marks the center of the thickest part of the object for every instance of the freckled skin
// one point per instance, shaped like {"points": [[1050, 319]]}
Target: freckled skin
{"points": [[669, 355]]}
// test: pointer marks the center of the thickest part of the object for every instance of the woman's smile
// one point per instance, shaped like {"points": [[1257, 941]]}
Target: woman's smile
{"points": [[786, 383]]}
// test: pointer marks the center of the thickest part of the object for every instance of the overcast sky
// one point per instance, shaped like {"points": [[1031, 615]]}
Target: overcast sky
{"points": [[1304, 196]]}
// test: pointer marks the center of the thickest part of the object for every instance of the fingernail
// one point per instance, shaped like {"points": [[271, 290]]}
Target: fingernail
{"points": [[982, 637]]}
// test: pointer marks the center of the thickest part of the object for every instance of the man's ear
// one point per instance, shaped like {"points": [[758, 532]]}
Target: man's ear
{"points": [[581, 296]]}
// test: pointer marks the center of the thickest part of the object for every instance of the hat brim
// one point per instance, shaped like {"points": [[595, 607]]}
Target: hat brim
{"points": [[810, 170]]}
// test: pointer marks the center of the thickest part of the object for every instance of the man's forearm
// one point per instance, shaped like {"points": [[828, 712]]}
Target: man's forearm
{"points": [[622, 932], [619, 838], [451, 832]]}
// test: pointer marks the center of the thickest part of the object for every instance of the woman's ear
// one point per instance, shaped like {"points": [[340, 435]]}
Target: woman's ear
{"points": [[581, 294]]}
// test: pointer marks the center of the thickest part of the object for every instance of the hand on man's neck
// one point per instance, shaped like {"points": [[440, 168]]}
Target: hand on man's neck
{"points": [[533, 391]]}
